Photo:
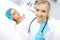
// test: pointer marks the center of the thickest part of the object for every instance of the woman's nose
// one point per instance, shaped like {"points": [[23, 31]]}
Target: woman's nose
{"points": [[39, 13]]}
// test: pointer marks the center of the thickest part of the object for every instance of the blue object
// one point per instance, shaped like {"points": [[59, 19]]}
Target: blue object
{"points": [[9, 14], [39, 35]]}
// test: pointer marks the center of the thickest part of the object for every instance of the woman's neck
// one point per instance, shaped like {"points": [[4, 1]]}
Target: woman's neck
{"points": [[42, 21]]}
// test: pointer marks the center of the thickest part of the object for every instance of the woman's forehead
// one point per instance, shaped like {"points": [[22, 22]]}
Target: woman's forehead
{"points": [[41, 6], [13, 10]]}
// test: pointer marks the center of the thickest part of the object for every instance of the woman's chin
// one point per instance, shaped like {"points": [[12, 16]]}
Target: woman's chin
{"points": [[40, 20]]}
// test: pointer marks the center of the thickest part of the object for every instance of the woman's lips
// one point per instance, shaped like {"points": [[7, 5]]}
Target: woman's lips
{"points": [[39, 16]]}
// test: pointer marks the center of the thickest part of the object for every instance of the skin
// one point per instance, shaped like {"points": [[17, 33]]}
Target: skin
{"points": [[41, 12], [17, 16]]}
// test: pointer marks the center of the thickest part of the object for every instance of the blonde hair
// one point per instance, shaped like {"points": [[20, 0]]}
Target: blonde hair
{"points": [[38, 2]]}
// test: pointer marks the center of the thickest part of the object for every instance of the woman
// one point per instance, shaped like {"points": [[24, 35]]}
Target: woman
{"points": [[41, 27], [12, 14]]}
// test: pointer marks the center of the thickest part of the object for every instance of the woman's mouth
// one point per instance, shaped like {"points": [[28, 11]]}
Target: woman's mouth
{"points": [[40, 17]]}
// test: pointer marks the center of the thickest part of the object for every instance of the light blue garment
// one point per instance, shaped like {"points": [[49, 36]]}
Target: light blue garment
{"points": [[40, 36], [9, 14]]}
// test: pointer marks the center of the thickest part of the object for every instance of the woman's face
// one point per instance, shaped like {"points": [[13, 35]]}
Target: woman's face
{"points": [[15, 14], [41, 12]]}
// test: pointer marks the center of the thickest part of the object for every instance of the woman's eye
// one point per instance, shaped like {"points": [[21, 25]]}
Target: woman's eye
{"points": [[13, 13], [43, 11], [37, 9]]}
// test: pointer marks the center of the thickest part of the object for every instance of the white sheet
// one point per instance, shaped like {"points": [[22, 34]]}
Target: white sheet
{"points": [[7, 31], [7, 26]]}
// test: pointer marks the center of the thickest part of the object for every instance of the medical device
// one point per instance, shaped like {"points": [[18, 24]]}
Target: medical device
{"points": [[32, 22]]}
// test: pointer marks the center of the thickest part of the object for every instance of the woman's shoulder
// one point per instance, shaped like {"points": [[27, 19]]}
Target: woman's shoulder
{"points": [[52, 19], [52, 22]]}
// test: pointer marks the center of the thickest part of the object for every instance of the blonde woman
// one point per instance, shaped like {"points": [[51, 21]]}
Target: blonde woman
{"points": [[41, 28]]}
